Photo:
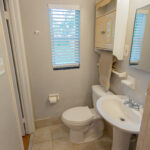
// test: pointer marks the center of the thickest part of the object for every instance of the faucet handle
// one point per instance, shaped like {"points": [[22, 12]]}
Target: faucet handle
{"points": [[136, 106], [127, 102], [131, 100]]}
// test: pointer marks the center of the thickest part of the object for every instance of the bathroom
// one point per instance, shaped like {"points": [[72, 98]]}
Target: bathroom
{"points": [[42, 95]]}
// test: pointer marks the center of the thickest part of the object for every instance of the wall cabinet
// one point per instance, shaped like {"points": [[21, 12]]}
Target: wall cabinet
{"points": [[111, 28], [104, 36], [100, 32]]}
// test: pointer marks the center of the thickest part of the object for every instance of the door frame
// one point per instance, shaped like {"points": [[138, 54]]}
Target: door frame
{"points": [[14, 68], [15, 16], [8, 72]]}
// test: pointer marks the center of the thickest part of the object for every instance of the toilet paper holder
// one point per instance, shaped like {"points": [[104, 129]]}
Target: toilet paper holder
{"points": [[55, 95]]}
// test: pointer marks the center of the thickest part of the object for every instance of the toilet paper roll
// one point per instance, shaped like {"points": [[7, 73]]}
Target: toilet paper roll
{"points": [[52, 100]]}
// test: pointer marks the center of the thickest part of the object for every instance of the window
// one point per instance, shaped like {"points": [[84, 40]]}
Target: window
{"points": [[138, 35], [65, 36]]}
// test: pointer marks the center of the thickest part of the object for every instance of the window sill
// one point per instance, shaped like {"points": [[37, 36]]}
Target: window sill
{"points": [[66, 68]]}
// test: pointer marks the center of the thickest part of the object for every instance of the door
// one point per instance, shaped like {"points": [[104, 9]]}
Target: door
{"points": [[10, 136], [13, 64], [105, 26], [110, 30], [100, 32]]}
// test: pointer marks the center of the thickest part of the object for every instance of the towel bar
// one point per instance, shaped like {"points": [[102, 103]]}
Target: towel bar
{"points": [[120, 75]]}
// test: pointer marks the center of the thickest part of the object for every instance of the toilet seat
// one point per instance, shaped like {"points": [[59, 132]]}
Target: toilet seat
{"points": [[78, 116]]}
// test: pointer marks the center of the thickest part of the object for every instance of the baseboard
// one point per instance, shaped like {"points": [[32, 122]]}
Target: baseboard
{"points": [[47, 122], [57, 120]]}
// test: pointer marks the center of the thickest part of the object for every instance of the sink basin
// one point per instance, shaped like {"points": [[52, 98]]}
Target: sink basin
{"points": [[125, 121], [113, 110]]}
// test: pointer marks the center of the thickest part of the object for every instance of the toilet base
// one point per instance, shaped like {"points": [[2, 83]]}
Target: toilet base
{"points": [[88, 133]]}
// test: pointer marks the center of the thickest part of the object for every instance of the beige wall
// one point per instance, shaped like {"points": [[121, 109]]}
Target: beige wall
{"points": [[142, 77], [74, 86]]}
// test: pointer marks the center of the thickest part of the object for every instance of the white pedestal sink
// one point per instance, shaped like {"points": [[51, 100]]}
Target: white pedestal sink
{"points": [[121, 139], [126, 121]]}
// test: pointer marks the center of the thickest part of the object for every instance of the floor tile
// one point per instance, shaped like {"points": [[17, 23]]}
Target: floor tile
{"points": [[105, 139], [62, 144], [56, 137], [42, 135], [103, 144], [84, 146], [59, 131], [42, 146]]}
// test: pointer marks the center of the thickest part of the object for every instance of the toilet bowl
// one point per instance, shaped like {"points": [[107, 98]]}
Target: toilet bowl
{"points": [[85, 124]]}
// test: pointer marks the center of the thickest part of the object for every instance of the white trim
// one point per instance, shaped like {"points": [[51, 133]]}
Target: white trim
{"points": [[30, 142], [22, 65], [121, 28], [142, 11], [58, 6]]}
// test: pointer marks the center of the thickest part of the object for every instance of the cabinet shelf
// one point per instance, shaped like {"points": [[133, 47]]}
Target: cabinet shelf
{"points": [[102, 3], [103, 49], [99, 50]]}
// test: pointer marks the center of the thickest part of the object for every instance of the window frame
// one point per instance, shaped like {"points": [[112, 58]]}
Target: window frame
{"points": [[71, 65]]}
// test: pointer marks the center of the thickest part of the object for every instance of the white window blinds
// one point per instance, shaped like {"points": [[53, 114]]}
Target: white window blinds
{"points": [[65, 36], [138, 35]]}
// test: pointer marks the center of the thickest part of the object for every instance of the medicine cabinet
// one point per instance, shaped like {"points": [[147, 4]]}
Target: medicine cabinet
{"points": [[104, 36], [111, 26]]}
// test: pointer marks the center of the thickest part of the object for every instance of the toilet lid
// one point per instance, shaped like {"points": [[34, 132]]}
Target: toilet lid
{"points": [[78, 115]]}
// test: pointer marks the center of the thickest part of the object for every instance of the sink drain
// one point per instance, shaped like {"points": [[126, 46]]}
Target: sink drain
{"points": [[122, 119]]}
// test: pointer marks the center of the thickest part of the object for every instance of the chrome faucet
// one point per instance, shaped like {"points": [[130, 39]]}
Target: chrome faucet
{"points": [[132, 104], [129, 102]]}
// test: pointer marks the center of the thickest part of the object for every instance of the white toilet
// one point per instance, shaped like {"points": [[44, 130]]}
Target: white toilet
{"points": [[85, 124]]}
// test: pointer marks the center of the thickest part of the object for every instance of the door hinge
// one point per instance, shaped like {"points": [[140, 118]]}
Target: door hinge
{"points": [[6, 14]]}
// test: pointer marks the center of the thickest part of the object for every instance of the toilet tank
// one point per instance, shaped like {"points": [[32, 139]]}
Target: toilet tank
{"points": [[97, 92]]}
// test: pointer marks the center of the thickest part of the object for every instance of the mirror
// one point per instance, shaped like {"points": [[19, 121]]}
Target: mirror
{"points": [[140, 49]]}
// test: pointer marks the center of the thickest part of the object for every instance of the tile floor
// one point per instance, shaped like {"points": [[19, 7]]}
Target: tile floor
{"points": [[56, 137]]}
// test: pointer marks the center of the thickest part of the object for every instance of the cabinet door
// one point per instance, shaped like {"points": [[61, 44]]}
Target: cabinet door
{"points": [[100, 32], [110, 27], [121, 28]]}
